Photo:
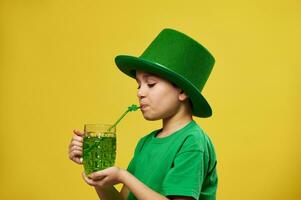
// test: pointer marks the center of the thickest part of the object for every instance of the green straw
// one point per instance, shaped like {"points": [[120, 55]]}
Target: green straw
{"points": [[130, 109]]}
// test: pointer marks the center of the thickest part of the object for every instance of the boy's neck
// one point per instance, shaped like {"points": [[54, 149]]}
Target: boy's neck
{"points": [[171, 125]]}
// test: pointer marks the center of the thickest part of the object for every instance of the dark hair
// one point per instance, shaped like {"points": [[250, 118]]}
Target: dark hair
{"points": [[174, 85]]}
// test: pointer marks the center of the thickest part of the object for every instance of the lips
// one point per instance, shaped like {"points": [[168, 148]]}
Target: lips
{"points": [[142, 106]]}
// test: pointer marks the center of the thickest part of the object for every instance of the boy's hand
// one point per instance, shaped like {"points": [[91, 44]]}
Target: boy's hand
{"points": [[104, 178], [76, 147]]}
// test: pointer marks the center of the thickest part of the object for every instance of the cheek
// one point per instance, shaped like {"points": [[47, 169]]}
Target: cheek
{"points": [[165, 100]]}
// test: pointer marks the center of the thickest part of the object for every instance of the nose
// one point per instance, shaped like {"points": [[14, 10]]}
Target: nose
{"points": [[141, 92]]}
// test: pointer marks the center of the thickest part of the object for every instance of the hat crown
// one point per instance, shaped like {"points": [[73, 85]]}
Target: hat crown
{"points": [[181, 54]]}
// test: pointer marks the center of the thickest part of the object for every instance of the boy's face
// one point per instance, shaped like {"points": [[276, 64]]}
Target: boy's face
{"points": [[158, 97]]}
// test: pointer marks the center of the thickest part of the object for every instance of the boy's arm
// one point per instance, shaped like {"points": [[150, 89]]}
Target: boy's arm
{"points": [[124, 192], [139, 190], [111, 193], [108, 193], [104, 180]]}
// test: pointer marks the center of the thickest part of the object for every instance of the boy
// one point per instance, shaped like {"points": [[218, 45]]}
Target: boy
{"points": [[177, 161]]}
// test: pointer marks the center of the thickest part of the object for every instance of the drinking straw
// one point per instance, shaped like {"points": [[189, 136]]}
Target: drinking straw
{"points": [[131, 108]]}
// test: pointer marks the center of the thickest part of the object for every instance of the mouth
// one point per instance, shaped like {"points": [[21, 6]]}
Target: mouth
{"points": [[143, 106]]}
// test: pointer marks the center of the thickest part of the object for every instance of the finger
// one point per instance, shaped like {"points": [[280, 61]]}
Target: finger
{"points": [[77, 138], [73, 155], [75, 158], [88, 180], [76, 143], [78, 160], [97, 175], [77, 132], [76, 148], [76, 153]]}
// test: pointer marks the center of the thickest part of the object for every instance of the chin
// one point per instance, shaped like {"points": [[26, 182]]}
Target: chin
{"points": [[150, 117]]}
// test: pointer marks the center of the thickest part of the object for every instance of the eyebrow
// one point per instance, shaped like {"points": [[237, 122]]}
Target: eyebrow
{"points": [[145, 76]]}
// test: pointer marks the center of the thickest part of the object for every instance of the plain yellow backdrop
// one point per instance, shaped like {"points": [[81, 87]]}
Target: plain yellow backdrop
{"points": [[57, 72]]}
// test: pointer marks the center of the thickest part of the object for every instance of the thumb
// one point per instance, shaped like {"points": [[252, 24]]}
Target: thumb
{"points": [[79, 133], [97, 175]]}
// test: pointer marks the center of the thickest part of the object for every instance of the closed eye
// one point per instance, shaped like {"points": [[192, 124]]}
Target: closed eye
{"points": [[149, 85]]}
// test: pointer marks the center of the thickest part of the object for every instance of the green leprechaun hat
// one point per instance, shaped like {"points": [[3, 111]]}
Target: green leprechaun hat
{"points": [[178, 58]]}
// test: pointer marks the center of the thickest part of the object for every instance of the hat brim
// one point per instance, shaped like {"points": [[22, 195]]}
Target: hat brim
{"points": [[129, 64]]}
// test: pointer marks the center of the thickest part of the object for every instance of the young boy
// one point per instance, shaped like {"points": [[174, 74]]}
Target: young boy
{"points": [[177, 161]]}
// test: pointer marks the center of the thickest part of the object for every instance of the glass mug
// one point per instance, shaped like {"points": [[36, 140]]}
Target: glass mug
{"points": [[99, 148]]}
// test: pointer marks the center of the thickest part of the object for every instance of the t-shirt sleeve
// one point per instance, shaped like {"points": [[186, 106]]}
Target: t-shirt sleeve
{"points": [[186, 175]]}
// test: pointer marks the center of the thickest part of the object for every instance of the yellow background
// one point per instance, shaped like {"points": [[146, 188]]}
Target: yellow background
{"points": [[57, 73]]}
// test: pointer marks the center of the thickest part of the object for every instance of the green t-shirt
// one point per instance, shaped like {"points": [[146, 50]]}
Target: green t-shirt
{"points": [[181, 164]]}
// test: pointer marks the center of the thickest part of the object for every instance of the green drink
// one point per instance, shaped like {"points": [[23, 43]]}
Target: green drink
{"points": [[99, 148]]}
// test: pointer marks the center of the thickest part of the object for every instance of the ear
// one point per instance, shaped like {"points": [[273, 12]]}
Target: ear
{"points": [[182, 96]]}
